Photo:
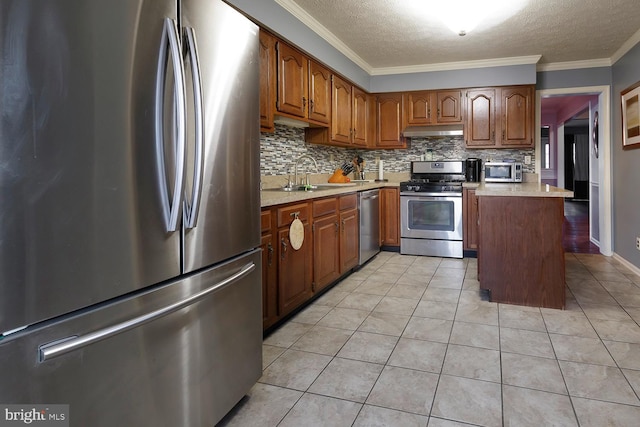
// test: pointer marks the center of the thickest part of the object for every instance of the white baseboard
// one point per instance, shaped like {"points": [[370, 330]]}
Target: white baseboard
{"points": [[626, 263]]}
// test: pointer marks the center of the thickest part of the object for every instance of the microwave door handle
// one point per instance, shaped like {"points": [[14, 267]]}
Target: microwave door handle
{"points": [[171, 209], [191, 212]]}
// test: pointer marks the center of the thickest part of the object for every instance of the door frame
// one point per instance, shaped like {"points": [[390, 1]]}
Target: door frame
{"points": [[605, 158]]}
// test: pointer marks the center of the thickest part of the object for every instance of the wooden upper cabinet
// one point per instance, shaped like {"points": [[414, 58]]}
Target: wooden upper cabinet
{"points": [[433, 107], [341, 110], [500, 117], [267, 81], [517, 116], [293, 74], [390, 122], [361, 117], [418, 107], [449, 106], [480, 123], [319, 93]]}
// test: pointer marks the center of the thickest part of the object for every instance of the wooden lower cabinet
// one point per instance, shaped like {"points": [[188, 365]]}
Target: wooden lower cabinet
{"points": [[295, 268], [331, 247], [269, 281], [390, 216], [470, 219], [326, 251], [349, 239]]}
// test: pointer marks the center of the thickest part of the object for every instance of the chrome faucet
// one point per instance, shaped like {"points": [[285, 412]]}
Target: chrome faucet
{"points": [[304, 156]]}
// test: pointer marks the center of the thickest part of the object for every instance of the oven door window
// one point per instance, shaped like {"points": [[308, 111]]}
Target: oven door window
{"points": [[436, 215]]}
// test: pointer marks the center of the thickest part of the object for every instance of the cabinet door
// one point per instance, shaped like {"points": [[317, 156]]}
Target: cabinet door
{"points": [[349, 237], [340, 111], [319, 93], [292, 81], [360, 117], [418, 106], [470, 219], [480, 125], [390, 216], [269, 282], [267, 81], [517, 116], [294, 271], [449, 108], [389, 112], [326, 268]]}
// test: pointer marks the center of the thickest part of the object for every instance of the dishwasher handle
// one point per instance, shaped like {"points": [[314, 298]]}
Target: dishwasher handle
{"points": [[60, 347]]}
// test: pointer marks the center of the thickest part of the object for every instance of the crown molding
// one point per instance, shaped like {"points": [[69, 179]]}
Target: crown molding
{"points": [[626, 47], [462, 65], [574, 65], [323, 32]]}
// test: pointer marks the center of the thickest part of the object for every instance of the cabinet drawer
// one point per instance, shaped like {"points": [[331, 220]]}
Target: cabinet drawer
{"points": [[324, 206], [265, 220], [348, 201], [286, 214]]}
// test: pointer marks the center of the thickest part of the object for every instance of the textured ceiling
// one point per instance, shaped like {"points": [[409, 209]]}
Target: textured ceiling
{"points": [[380, 34]]}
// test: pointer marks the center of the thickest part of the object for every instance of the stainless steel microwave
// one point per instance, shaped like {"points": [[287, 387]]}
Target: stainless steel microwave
{"points": [[502, 172]]}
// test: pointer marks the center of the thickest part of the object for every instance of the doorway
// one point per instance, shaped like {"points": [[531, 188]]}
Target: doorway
{"points": [[598, 188]]}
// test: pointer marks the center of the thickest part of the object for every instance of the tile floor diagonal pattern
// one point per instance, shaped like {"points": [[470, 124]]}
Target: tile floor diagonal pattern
{"points": [[410, 341]]}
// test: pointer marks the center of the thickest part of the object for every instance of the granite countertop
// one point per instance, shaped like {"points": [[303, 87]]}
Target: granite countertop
{"points": [[278, 197], [525, 189]]}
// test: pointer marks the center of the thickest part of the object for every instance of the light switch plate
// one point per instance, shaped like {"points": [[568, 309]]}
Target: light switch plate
{"points": [[527, 160]]}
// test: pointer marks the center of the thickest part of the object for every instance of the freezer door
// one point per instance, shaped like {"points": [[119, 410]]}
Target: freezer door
{"points": [[81, 218], [131, 364], [227, 204]]}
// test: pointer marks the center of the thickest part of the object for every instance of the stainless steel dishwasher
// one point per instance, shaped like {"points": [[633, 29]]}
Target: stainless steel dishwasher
{"points": [[369, 208]]}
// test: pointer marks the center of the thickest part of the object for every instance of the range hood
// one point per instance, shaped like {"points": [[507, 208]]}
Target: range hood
{"points": [[432, 131]]}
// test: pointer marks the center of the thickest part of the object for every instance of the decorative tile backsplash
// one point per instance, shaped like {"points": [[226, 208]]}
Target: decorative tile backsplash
{"points": [[279, 150]]}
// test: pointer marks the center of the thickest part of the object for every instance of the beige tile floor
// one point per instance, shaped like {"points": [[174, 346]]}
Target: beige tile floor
{"points": [[411, 341]]}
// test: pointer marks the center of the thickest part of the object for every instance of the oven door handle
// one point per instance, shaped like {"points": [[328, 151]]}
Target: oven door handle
{"points": [[430, 196]]}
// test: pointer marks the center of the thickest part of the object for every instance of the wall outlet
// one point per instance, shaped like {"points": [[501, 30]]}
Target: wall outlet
{"points": [[638, 243], [527, 160], [331, 158]]}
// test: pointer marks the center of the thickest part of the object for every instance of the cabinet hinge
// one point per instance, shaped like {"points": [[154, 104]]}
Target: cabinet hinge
{"points": [[313, 286], [313, 228]]}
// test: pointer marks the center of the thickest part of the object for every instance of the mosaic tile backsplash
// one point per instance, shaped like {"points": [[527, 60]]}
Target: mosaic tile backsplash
{"points": [[279, 150]]}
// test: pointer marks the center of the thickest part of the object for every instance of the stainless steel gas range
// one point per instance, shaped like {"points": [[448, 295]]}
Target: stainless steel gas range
{"points": [[431, 209]]}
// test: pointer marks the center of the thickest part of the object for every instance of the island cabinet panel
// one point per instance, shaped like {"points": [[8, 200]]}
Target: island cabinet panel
{"points": [[520, 253]]}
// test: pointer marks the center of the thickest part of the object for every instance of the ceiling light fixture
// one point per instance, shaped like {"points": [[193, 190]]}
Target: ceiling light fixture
{"points": [[463, 16]]}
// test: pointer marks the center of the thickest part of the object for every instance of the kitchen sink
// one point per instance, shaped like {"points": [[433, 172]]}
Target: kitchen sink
{"points": [[307, 188]]}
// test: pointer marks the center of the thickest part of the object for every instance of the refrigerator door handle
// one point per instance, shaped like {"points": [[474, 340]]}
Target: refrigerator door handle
{"points": [[60, 347], [191, 212], [171, 208]]}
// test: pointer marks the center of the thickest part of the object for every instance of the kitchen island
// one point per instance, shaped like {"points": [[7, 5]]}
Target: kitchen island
{"points": [[520, 253]]}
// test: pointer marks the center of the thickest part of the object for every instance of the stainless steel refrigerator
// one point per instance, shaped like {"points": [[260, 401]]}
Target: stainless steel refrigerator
{"points": [[130, 283]]}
